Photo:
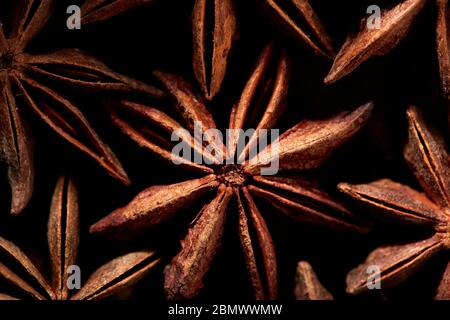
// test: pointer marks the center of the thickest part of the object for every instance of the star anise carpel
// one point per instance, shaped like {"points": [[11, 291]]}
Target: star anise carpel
{"points": [[299, 19], [443, 45], [395, 24], [215, 29], [26, 80], [63, 242], [307, 284], [305, 146], [101, 10], [429, 161]]}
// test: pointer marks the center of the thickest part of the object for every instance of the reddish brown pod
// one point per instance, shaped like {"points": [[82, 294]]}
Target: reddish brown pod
{"points": [[63, 241], [234, 186], [25, 82], [428, 159]]}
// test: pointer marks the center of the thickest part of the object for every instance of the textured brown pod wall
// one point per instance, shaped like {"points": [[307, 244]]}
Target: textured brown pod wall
{"points": [[81, 112]]}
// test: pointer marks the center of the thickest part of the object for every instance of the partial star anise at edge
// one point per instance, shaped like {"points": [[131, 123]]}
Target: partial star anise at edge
{"points": [[101, 10], [63, 241], [428, 159], [24, 80], [215, 29], [306, 145], [307, 285], [395, 25]]}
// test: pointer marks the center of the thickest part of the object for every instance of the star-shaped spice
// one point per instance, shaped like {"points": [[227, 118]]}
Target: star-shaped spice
{"points": [[429, 161], [215, 29], [306, 145], [395, 25], [25, 81], [63, 240]]}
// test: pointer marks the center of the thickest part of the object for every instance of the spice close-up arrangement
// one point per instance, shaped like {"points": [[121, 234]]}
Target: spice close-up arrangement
{"points": [[216, 150]]}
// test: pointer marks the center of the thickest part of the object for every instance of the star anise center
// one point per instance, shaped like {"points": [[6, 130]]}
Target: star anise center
{"points": [[6, 60], [232, 175], [444, 231]]}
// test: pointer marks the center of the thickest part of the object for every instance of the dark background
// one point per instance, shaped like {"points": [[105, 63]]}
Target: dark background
{"points": [[159, 37]]}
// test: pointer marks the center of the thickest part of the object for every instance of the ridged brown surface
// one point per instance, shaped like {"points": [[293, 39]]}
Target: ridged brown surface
{"points": [[63, 242], [307, 145], [428, 159]]}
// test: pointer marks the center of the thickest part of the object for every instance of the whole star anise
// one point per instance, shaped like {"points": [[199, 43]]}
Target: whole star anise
{"points": [[63, 240], [429, 161], [306, 145], [395, 25], [25, 80]]}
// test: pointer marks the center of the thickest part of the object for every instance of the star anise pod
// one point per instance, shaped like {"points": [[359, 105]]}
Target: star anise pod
{"points": [[296, 16], [215, 29], [395, 25], [429, 161], [100, 10], [63, 241], [25, 80], [306, 145], [307, 285]]}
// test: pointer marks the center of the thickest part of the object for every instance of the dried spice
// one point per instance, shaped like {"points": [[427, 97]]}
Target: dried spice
{"points": [[213, 37], [100, 10], [215, 29], [34, 79], [443, 45], [307, 285], [428, 159], [63, 242], [24, 80], [369, 42], [294, 15], [306, 145]]}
